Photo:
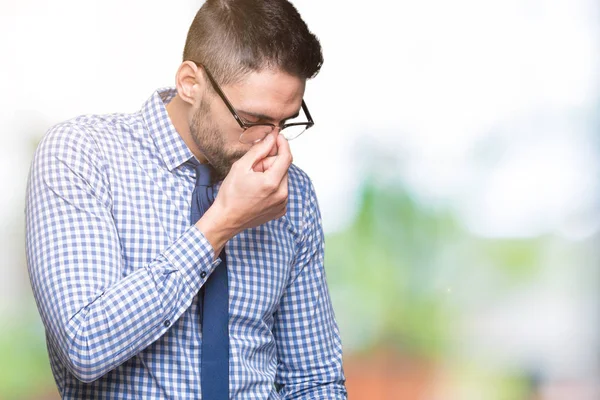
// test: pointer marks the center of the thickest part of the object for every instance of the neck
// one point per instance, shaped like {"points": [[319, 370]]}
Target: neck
{"points": [[178, 111]]}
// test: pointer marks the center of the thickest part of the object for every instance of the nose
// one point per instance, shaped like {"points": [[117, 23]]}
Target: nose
{"points": [[275, 132]]}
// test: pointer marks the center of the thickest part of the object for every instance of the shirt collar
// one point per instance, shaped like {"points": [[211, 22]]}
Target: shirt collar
{"points": [[169, 144]]}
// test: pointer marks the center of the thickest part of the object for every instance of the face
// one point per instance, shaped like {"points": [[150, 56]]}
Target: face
{"points": [[266, 96]]}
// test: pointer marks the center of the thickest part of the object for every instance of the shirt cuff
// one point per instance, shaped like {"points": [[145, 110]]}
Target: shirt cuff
{"points": [[193, 257]]}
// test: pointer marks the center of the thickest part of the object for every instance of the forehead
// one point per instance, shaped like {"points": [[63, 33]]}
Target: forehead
{"points": [[270, 92]]}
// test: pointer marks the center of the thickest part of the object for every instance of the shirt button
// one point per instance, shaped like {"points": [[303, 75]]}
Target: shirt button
{"points": [[167, 323], [203, 274]]}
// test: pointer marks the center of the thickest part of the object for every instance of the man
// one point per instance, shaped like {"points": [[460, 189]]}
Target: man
{"points": [[146, 290]]}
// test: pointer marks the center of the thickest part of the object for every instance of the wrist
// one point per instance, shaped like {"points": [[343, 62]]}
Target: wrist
{"points": [[216, 228]]}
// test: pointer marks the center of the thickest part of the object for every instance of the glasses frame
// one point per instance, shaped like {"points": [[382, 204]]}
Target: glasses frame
{"points": [[246, 125]]}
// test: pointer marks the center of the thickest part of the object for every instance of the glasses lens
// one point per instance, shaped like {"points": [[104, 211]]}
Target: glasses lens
{"points": [[292, 132], [255, 133]]}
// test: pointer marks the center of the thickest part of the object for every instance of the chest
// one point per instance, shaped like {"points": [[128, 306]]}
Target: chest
{"points": [[151, 209]]}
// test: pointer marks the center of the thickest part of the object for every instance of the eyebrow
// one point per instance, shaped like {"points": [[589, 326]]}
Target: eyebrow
{"points": [[264, 116]]}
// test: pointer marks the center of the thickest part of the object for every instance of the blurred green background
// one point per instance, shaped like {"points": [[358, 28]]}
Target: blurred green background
{"points": [[456, 157]]}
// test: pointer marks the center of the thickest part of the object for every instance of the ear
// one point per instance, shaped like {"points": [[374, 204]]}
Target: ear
{"points": [[190, 82]]}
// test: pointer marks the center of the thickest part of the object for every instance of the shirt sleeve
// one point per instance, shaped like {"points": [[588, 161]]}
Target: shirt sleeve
{"points": [[309, 348], [96, 318]]}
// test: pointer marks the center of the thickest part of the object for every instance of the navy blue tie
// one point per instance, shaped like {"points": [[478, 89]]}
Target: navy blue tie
{"points": [[214, 303]]}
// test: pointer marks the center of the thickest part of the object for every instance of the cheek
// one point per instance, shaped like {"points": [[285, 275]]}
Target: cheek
{"points": [[232, 138], [224, 131]]}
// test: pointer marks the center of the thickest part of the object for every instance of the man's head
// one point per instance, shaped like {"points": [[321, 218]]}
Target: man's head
{"points": [[235, 37], [260, 53]]}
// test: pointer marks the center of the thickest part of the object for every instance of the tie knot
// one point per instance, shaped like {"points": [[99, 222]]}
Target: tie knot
{"points": [[204, 173]]}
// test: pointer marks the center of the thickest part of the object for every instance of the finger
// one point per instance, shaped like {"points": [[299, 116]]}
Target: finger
{"points": [[285, 182], [257, 152], [284, 195], [282, 189], [264, 164], [283, 159], [274, 149]]}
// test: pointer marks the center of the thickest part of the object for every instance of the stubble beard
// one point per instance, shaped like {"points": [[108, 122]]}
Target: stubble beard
{"points": [[211, 142]]}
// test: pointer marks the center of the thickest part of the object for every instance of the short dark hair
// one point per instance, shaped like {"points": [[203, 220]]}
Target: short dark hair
{"points": [[235, 37]]}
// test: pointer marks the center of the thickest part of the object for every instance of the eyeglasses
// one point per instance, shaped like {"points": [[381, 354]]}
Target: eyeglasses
{"points": [[255, 132]]}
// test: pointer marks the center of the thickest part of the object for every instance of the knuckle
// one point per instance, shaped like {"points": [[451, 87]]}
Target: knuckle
{"points": [[283, 196], [267, 189], [273, 185], [283, 203]]}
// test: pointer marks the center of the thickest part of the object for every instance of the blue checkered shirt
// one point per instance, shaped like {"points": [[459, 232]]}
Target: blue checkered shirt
{"points": [[115, 268]]}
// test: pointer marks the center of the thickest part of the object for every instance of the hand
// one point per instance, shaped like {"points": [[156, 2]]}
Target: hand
{"points": [[265, 163], [254, 192], [256, 189]]}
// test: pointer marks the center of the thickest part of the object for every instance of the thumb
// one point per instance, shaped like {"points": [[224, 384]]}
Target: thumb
{"points": [[258, 152], [264, 164]]}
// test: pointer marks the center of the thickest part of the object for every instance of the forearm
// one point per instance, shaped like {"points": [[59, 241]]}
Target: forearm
{"points": [[128, 315]]}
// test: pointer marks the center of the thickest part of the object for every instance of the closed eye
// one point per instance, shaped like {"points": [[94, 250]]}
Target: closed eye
{"points": [[254, 118]]}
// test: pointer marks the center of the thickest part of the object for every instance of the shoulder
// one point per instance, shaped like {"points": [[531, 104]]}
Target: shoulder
{"points": [[69, 163], [298, 180], [78, 146], [300, 186], [84, 138]]}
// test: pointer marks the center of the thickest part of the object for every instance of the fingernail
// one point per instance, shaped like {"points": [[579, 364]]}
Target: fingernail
{"points": [[269, 139]]}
